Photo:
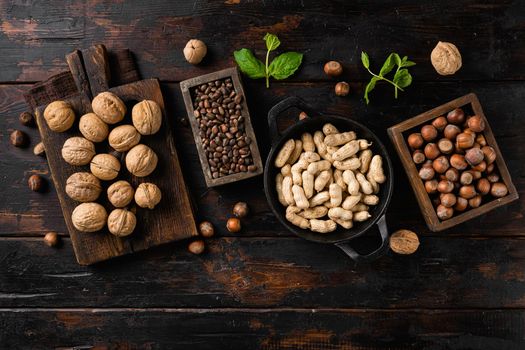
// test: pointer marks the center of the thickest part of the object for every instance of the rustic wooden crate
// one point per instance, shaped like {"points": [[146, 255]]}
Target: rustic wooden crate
{"points": [[186, 87], [398, 134]]}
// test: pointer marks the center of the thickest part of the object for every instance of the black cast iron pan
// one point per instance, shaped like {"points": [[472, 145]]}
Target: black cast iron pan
{"points": [[316, 120]]}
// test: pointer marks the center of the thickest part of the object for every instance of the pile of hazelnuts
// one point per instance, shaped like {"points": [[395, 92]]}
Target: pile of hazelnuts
{"points": [[455, 163]]}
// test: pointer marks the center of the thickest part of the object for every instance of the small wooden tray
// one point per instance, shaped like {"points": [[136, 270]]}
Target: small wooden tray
{"points": [[186, 87], [398, 138]]}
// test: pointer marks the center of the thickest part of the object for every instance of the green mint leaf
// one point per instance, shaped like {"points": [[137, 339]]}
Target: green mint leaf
{"points": [[249, 64], [397, 59], [365, 60], [272, 41], [285, 65], [369, 87], [408, 64], [388, 65], [402, 78]]}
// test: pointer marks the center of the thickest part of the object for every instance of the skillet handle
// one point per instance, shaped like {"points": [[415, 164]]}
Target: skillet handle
{"points": [[275, 111], [383, 230]]}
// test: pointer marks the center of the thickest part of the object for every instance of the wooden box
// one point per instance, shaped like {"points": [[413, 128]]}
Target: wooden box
{"points": [[399, 133], [186, 87]]}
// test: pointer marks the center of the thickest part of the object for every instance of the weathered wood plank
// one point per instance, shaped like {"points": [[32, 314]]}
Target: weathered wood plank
{"points": [[35, 37], [262, 329], [268, 272]]}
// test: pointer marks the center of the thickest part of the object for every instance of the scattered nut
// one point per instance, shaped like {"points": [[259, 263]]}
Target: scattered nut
{"points": [[89, 217], [26, 119], [241, 209], [51, 239], [303, 115], [333, 68], [121, 222], [93, 128], [108, 107], [206, 229], [78, 151], [147, 117], [404, 242], [342, 88], [59, 116], [120, 193], [83, 187], [194, 51], [233, 225], [147, 195], [39, 149], [36, 183], [446, 58], [19, 138], [196, 247]]}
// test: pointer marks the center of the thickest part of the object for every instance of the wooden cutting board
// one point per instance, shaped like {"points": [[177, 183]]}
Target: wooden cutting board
{"points": [[172, 219]]}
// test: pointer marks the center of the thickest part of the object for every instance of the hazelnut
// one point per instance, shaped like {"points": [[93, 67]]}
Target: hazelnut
{"points": [[426, 173], [123, 138], [458, 161], [475, 201], [333, 68], [476, 175], [470, 132], [445, 58], [78, 151], [196, 247], [415, 140], [121, 222], [19, 138], [241, 209], [233, 225], [105, 166], [464, 140], [448, 200], [51, 239], [493, 177], [480, 139], [109, 107], [147, 195], [404, 242], [342, 88], [474, 156], [489, 154], [440, 123], [93, 128], [141, 160], [441, 164], [499, 190], [431, 151], [206, 229], [443, 212], [303, 115], [120, 193], [466, 178], [39, 150], [481, 167], [445, 186], [483, 186], [147, 117], [431, 186], [83, 187], [456, 116], [429, 133], [89, 217], [490, 168], [461, 204], [35, 183], [476, 123], [59, 116], [451, 131], [418, 157], [452, 174], [26, 119], [194, 51], [467, 191]]}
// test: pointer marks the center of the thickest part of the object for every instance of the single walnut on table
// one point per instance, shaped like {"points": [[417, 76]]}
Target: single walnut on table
{"points": [[141, 160], [147, 117], [89, 217], [83, 187], [123, 138], [78, 151], [109, 107]]}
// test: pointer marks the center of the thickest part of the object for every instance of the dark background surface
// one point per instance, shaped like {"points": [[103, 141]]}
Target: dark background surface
{"points": [[264, 288]]}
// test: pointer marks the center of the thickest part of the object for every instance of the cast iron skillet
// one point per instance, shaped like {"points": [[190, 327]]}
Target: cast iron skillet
{"points": [[315, 122]]}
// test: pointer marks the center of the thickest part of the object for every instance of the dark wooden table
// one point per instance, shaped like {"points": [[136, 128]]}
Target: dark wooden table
{"points": [[265, 288]]}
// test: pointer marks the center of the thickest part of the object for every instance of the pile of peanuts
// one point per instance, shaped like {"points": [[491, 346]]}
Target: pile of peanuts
{"points": [[328, 179]]}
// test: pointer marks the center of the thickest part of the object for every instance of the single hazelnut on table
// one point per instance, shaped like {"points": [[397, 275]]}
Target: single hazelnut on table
{"points": [[147, 195], [303, 115], [121, 222], [444, 213], [39, 150], [233, 225], [26, 119], [78, 150], [415, 140], [89, 217], [108, 107], [489, 154], [452, 174], [418, 157], [440, 123], [461, 204], [194, 51], [445, 186], [241, 209], [93, 128], [476, 123], [465, 140], [458, 161], [105, 166], [483, 186], [429, 133], [333, 68], [467, 191], [448, 199], [426, 173], [441, 164], [83, 187], [499, 190], [451, 132], [35, 183], [475, 201], [141, 160], [196, 247], [147, 117], [120, 193], [456, 116], [445, 146], [51, 239], [59, 116], [445, 58], [123, 138], [19, 138], [404, 242], [474, 156], [206, 229], [432, 151], [342, 88]]}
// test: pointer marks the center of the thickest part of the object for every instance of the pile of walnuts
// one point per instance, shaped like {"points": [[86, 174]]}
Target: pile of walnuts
{"points": [[140, 160]]}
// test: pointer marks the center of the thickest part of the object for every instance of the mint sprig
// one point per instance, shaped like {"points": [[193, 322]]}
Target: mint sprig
{"points": [[401, 79]]}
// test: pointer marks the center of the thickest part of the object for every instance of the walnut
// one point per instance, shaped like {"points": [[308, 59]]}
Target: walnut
{"points": [[120, 193], [121, 222], [147, 195], [59, 116], [93, 128], [141, 160], [83, 187], [404, 242], [446, 58], [78, 151], [109, 107], [147, 117], [123, 137], [89, 217], [194, 51], [105, 166]]}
